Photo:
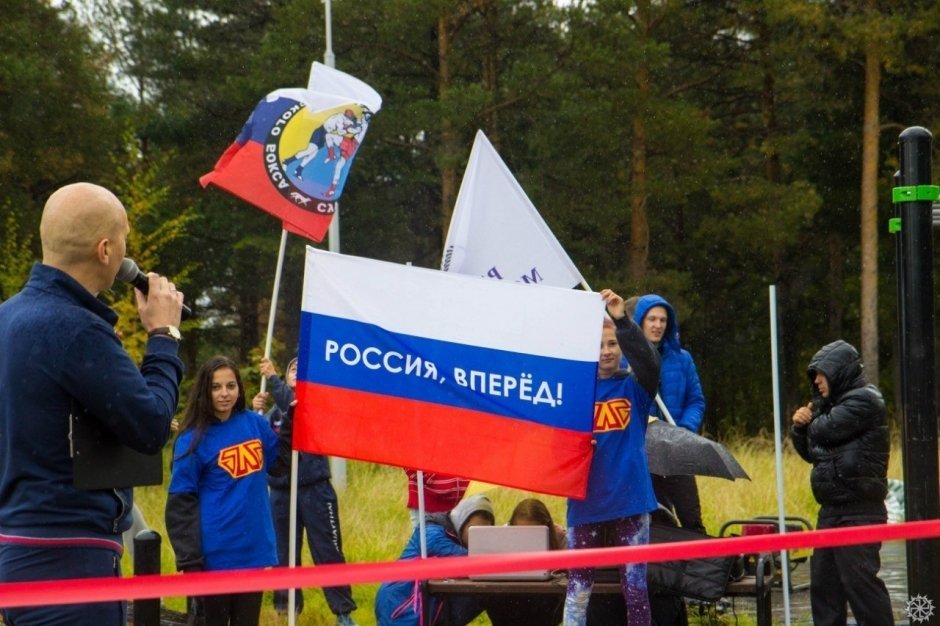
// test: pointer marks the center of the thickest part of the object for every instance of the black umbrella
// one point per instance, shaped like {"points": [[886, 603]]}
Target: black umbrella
{"points": [[674, 451]]}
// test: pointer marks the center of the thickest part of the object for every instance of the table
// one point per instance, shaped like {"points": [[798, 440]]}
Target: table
{"points": [[758, 587]]}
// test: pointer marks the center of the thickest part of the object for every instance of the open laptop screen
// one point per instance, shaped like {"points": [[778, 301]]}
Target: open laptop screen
{"points": [[508, 539]]}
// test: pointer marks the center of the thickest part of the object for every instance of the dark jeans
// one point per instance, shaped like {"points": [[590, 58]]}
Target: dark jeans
{"points": [[680, 495], [318, 514], [232, 609], [29, 563], [848, 574]]}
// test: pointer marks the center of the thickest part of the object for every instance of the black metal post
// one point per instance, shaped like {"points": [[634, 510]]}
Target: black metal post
{"points": [[147, 561], [913, 199]]}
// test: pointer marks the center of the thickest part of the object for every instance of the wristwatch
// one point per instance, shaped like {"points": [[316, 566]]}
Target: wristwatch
{"points": [[171, 332]]}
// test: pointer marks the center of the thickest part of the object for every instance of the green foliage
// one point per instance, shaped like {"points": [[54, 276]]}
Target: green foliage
{"points": [[55, 120], [15, 254], [750, 110], [154, 227]]}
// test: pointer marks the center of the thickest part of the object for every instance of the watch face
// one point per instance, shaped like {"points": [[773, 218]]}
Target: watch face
{"points": [[174, 332]]}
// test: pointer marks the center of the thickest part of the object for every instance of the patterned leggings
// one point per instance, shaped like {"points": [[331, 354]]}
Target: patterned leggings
{"points": [[626, 531]]}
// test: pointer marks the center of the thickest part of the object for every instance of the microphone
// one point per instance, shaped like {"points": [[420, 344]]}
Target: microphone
{"points": [[131, 274]]}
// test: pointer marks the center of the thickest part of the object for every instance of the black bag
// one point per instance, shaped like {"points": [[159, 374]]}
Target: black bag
{"points": [[100, 461], [698, 579]]}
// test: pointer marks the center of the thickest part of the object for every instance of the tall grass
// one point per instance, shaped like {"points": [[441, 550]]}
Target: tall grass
{"points": [[375, 523]]}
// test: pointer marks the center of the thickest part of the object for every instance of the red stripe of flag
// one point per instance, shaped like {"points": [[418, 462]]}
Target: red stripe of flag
{"points": [[410, 433], [241, 172]]}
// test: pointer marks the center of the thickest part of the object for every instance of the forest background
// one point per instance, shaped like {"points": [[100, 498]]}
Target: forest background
{"points": [[703, 150]]}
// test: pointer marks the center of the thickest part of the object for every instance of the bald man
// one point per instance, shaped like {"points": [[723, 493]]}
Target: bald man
{"points": [[60, 355]]}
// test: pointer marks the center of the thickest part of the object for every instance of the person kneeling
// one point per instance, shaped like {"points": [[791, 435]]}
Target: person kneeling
{"points": [[446, 535]]}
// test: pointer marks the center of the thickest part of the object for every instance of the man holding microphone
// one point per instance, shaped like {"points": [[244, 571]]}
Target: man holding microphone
{"points": [[61, 357]]}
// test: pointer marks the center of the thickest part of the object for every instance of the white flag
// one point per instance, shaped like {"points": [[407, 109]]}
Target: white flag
{"points": [[496, 231], [326, 80]]}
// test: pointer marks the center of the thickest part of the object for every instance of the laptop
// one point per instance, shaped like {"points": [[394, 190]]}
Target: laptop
{"points": [[508, 539]]}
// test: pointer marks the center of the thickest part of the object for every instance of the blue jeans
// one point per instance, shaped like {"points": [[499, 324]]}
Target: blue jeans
{"points": [[31, 563], [318, 515]]}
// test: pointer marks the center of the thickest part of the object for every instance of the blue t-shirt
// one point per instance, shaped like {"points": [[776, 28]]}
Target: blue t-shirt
{"points": [[227, 471], [619, 483]]}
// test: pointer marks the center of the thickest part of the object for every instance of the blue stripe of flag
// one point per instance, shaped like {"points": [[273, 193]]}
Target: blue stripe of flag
{"points": [[494, 393]]}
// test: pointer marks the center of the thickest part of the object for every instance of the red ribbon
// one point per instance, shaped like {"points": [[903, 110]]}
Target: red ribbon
{"points": [[75, 591]]}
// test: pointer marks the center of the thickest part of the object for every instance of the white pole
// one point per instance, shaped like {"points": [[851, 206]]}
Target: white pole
{"points": [[778, 449], [328, 58], [272, 313], [292, 541], [337, 465], [422, 532], [662, 407]]}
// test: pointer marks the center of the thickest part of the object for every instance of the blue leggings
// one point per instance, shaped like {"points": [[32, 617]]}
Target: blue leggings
{"points": [[626, 531]]}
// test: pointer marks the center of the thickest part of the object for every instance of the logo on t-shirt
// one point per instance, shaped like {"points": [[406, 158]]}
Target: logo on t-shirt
{"points": [[242, 459], [611, 415]]}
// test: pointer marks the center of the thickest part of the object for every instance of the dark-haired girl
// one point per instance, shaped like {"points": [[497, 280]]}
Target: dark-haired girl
{"points": [[217, 513]]}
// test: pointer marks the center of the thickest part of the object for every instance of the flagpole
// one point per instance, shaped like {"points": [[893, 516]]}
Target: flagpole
{"points": [[268, 340], [422, 531], [329, 59], [274, 294], [337, 465], [778, 450]]}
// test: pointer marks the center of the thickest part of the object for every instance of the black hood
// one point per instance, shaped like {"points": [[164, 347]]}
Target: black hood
{"points": [[839, 362]]}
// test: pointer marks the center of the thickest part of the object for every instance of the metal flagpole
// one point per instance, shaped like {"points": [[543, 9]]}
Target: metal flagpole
{"points": [[778, 450], [337, 465]]}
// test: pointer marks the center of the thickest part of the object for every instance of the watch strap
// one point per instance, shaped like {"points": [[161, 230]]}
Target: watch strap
{"points": [[165, 331]]}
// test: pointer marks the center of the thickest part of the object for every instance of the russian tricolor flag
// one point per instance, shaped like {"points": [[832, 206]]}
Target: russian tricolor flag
{"points": [[447, 373]]}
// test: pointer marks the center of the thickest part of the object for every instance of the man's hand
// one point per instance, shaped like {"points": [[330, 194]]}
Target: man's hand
{"points": [[803, 415], [614, 304], [163, 304]]}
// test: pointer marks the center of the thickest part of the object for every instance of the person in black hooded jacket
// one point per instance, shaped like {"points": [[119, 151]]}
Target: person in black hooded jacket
{"points": [[843, 432]]}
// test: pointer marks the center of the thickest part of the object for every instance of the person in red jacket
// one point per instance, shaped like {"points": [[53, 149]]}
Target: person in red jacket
{"points": [[442, 492]]}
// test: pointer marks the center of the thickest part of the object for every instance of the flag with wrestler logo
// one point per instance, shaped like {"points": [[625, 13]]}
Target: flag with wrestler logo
{"points": [[447, 373], [293, 156]]}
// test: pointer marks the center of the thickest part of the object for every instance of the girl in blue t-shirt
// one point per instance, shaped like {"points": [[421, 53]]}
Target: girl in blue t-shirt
{"points": [[217, 512], [615, 511]]}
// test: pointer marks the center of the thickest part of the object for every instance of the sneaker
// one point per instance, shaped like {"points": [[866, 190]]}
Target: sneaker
{"points": [[345, 620]]}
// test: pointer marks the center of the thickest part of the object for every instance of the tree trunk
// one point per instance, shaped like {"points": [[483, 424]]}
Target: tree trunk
{"points": [[639, 220], [491, 70], [448, 136], [869, 213]]}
